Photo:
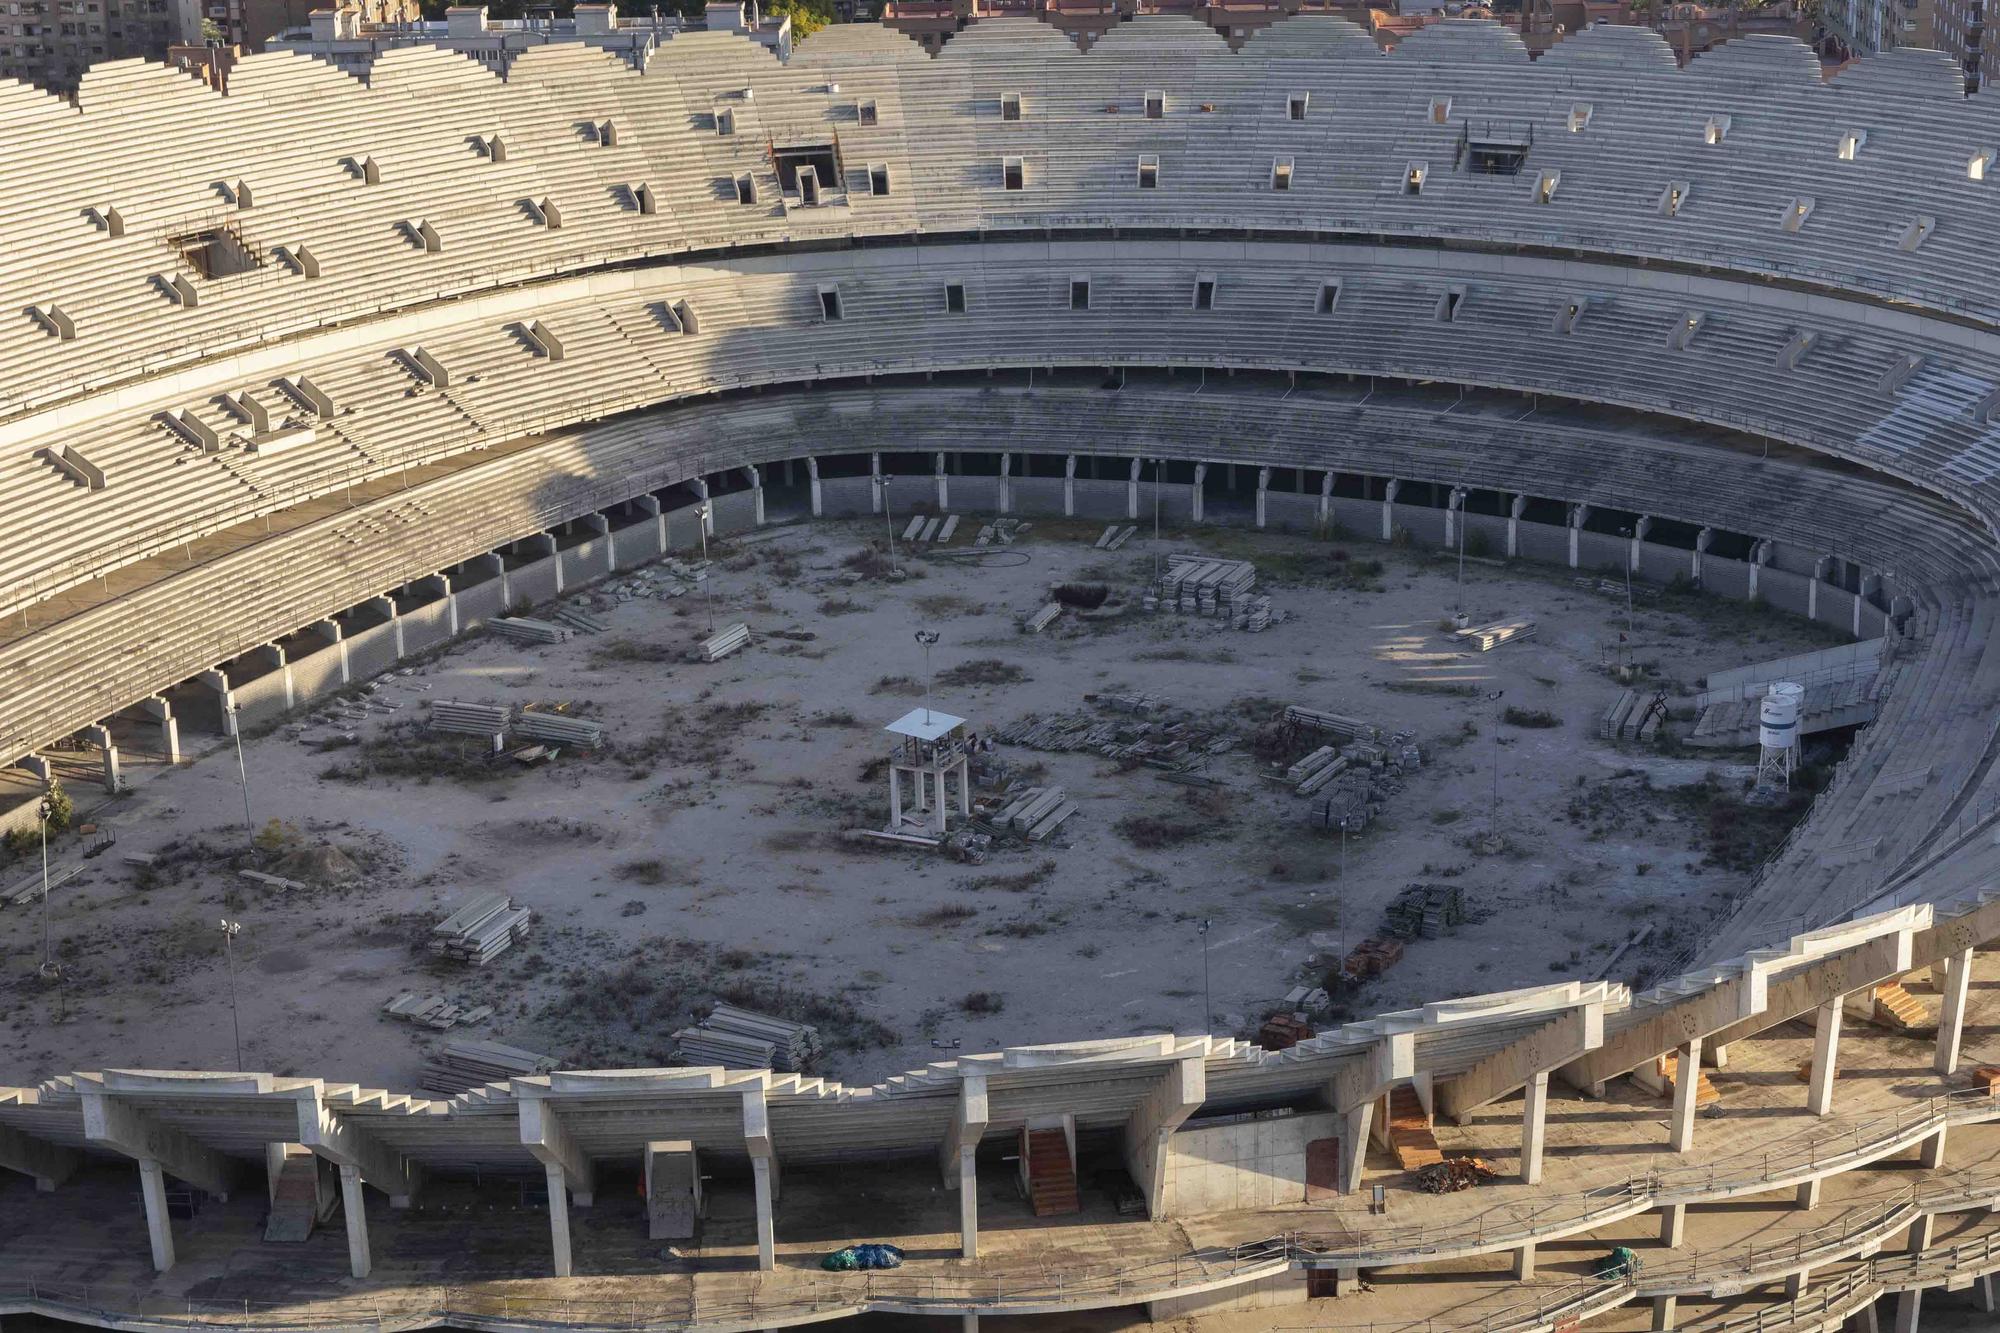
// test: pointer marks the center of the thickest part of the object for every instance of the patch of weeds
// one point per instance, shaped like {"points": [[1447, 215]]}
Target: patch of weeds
{"points": [[981, 671], [1533, 718], [983, 1002]]}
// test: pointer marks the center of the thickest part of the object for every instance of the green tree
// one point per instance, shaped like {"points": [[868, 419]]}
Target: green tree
{"points": [[808, 16]]}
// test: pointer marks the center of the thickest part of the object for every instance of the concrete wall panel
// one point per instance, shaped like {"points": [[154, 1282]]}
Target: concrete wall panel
{"points": [[1601, 553], [851, 495], [478, 603], [636, 543], [1036, 495], [1242, 1165], [1362, 519], [1291, 513], [1659, 564], [1783, 589], [1103, 500], [426, 626], [1424, 524], [1494, 532], [735, 513], [261, 701], [371, 651], [684, 531], [533, 582], [1544, 542], [968, 495], [316, 674], [1725, 578]]}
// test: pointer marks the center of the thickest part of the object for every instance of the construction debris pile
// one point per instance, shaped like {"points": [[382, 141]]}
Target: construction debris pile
{"points": [[1358, 772], [1634, 716], [1453, 1174], [535, 722], [1485, 638], [434, 1011], [1204, 585], [739, 1039], [460, 1066], [1003, 531], [484, 927], [1425, 911], [1176, 744], [1371, 958]]}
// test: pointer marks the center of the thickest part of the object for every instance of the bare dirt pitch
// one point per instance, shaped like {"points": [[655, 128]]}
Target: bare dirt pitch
{"points": [[700, 854]]}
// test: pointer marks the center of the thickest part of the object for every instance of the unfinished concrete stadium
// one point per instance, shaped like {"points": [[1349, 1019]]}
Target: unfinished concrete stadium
{"points": [[311, 386]]}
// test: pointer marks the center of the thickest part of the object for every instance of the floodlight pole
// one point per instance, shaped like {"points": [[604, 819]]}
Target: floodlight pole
{"points": [[230, 930], [1159, 475], [1461, 553], [46, 810], [242, 774], [927, 637], [1493, 812], [1207, 995], [1629, 644], [882, 483], [701, 514]]}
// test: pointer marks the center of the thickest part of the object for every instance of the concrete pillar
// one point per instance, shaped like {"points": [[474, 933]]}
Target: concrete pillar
{"points": [[1069, 486], [767, 1231], [1951, 1012], [1931, 1153], [943, 806], [336, 638], [1324, 515], [279, 667], [895, 797], [812, 481], [1986, 1294], [1920, 1235], [1263, 490], [1909, 1310], [1795, 1283], [1687, 1081], [600, 527], [1515, 508], [159, 1229], [100, 736], [1825, 1059], [1864, 1320], [1870, 584], [1640, 528], [1389, 508], [943, 487], [1807, 1196], [354, 1210], [40, 767], [756, 495], [1452, 500], [1673, 1225], [651, 506], [875, 483], [1197, 498], [559, 1219], [1354, 1145], [1578, 515], [1524, 1263], [170, 730], [1006, 483], [969, 1322], [1821, 568], [218, 680], [1534, 1127], [1132, 491], [1760, 552], [1702, 541], [1666, 1311], [968, 1201]]}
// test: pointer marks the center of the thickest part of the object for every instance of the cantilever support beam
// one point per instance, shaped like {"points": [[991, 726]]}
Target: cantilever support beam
{"points": [[763, 1175], [1353, 1091], [351, 1148], [117, 1124], [958, 1158], [1567, 1038], [568, 1170], [1824, 982], [49, 1163], [1150, 1128]]}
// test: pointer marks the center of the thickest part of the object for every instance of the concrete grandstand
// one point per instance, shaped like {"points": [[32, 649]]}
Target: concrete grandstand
{"points": [[308, 378]]}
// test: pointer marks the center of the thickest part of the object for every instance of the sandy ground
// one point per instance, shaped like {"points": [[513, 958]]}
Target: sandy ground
{"points": [[700, 853]]}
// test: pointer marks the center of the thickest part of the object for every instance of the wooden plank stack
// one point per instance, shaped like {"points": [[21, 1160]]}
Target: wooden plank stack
{"points": [[460, 1066], [484, 927]]}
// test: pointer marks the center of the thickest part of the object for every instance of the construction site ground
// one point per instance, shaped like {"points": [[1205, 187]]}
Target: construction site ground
{"points": [[702, 852]]}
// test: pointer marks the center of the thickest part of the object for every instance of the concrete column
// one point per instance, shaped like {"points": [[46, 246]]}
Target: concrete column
{"points": [[1760, 551], [1864, 1320], [1673, 1225], [1687, 1080], [701, 493], [280, 667], [1986, 1294], [649, 504], [1808, 1194], [965, 788], [1702, 541], [1920, 1235], [1452, 500], [1069, 486], [1931, 1153], [943, 487], [170, 730], [1666, 1312], [1870, 583], [218, 680], [1821, 568], [767, 1232], [559, 1219], [875, 483], [600, 525], [1354, 1145], [1909, 1310], [1534, 1127], [1515, 508], [1825, 1060], [1795, 1283], [1132, 492], [1524, 1263], [1006, 487], [969, 1322], [1578, 515], [1324, 513], [1197, 498], [812, 481], [968, 1200], [895, 797], [1640, 528], [40, 767], [159, 1229], [354, 1210], [756, 495], [387, 605], [100, 736], [1263, 489], [1389, 508], [336, 638], [943, 807], [1951, 1013]]}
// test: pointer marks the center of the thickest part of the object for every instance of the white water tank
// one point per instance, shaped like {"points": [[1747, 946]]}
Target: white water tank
{"points": [[1778, 715]]}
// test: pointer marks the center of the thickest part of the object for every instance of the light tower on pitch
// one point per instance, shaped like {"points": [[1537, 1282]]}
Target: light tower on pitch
{"points": [[1778, 733], [931, 749]]}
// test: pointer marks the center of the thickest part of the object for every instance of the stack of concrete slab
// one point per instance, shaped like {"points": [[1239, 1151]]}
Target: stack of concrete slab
{"points": [[481, 929], [1253, 615], [1205, 585], [1037, 812], [949, 530], [559, 729], [524, 630], [724, 642], [1486, 638], [1115, 537], [580, 620], [469, 719], [462, 1065], [742, 1039], [434, 1011], [29, 890], [729, 1050], [1044, 618], [1316, 770], [1333, 724]]}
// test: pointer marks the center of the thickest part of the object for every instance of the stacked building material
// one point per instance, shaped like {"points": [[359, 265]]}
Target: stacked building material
{"points": [[434, 1011], [1312, 763], [1205, 585], [469, 719], [559, 729], [742, 1039], [1322, 774], [1253, 615], [724, 642], [483, 928], [1044, 618], [524, 630], [463, 1065], [582, 621], [1281, 1032], [1425, 911], [1334, 724], [949, 530], [30, 889], [1114, 537], [1485, 638], [1371, 958]]}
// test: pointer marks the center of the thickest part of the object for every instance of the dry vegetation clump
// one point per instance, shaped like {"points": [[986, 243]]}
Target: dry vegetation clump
{"points": [[407, 751], [1533, 718], [983, 1002], [1082, 596], [897, 685], [1020, 881], [949, 914], [981, 671], [626, 652]]}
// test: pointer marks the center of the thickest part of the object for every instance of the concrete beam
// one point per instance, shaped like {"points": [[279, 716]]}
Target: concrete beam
{"points": [[1389, 1061], [959, 1158], [1149, 1130], [544, 1135], [1956, 980], [1687, 1084], [49, 1164], [1534, 1127], [763, 1176], [1714, 1008], [1830, 978], [1566, 1039], [355, 1213], [1825, 1059], [119, 1125], [323, 1131]]}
